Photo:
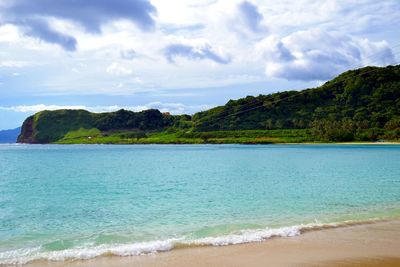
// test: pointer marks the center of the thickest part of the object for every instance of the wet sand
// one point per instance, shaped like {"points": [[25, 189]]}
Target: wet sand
{"points": [[376, 244]]}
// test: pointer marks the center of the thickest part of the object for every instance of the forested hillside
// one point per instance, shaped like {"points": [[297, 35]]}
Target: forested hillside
{"points": [[355, 101]]}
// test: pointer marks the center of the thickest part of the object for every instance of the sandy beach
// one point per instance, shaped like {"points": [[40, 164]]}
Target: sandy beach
{"points": [[376, 244]]}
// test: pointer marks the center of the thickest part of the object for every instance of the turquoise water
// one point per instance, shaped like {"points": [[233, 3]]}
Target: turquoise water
{"points": [[78, 202]]}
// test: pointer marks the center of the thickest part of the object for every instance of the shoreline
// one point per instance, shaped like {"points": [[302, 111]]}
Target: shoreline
{"points": [[183, 144], [369, 243]]}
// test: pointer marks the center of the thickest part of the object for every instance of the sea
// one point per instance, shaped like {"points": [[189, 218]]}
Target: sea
{"points": [[76, 202]]}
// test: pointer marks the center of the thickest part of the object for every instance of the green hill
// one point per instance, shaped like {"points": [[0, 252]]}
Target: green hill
{"points": [[358, 105], [51, 126]]}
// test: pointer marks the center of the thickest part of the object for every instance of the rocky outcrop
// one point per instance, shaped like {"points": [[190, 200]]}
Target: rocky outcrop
{"points": [[27, 132]]}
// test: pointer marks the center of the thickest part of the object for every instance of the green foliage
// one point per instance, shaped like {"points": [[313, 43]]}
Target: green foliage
{"points": [[182, 121], [337, 131], [371, 134], [50, 126], [132, 135], [369, 94], [86, 133], [180, 137], [151, 119]]}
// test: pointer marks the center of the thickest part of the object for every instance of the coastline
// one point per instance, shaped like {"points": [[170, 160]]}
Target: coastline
{"points": [[194, 143], [369, 244]]}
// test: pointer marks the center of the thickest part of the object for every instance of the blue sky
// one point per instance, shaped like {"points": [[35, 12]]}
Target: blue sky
{"points": [[181, 56]]}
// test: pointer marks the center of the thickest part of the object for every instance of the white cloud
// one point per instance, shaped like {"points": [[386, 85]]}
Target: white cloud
{"points": [[195, 49], [319, 55], [14, 64], [173, 108], [37, 108], [117, 69], [9, 34], [176, 108]]}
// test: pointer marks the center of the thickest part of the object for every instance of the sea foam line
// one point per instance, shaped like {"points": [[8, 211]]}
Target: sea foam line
{"points": [[23, 256]]}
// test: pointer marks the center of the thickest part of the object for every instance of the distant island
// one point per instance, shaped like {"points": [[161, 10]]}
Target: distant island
{"points": [[9, 136], [361, 105]]}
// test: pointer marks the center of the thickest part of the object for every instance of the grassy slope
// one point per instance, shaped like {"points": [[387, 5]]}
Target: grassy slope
{"points": [[217, 137]]}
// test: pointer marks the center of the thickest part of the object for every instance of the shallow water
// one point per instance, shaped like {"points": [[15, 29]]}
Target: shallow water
{"points": [[82, 201]]}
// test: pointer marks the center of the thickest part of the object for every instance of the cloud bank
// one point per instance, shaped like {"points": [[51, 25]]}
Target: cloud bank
{"points": [[196, 49], [125, 47], [39, 28], [320, 55], [173, 108], [33, 16]]}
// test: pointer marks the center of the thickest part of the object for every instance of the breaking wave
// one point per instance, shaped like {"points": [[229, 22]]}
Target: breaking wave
{"points": [[23, 256]]}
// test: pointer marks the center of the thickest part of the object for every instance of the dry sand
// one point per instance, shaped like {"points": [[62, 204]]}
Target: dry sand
{"points": [[376, 244]]}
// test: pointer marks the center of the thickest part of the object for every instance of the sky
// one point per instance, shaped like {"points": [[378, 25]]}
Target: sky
{"points": [[181, 56]]}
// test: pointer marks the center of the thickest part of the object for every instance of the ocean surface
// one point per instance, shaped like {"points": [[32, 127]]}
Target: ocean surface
{"points": [[83, 201]]}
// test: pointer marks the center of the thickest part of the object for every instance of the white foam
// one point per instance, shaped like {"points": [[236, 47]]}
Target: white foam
{"points": [[248, 236], [18, 256], [22, 256], [82, 253]]}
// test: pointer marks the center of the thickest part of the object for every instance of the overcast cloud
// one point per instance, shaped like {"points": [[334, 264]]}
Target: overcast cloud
{"points": [[320, 55], [33, 16]]}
